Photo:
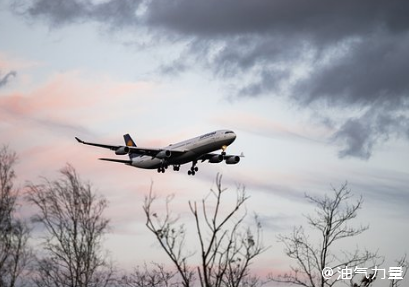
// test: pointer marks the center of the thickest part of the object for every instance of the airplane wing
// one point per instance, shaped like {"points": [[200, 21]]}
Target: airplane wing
{"points": [[122, 150], [111, 147]]}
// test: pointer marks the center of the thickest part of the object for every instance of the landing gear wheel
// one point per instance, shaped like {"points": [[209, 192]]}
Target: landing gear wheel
{"points": [[193, 169]]}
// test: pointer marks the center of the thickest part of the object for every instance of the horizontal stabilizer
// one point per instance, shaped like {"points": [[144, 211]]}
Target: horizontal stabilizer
{"points": [[117, 160], [78, 140]]}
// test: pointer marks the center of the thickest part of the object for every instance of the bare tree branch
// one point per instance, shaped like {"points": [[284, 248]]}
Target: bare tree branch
{"points": [[170, 236], [226, 248], [401, 263], [14, 233], [155, 277], [72, 216], [332, 218]]}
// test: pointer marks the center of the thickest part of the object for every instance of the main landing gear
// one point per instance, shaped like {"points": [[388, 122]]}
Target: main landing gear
{"points": [[193, 169], [162, 169]]}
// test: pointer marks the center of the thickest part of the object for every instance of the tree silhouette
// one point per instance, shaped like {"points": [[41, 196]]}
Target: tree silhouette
{"points": [[401, 263], [331, 221], [14, 253], [143, 276], [72, 216], [226, 248]]}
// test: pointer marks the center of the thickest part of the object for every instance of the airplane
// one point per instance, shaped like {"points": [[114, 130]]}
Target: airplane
{"points": [[196, 149]]}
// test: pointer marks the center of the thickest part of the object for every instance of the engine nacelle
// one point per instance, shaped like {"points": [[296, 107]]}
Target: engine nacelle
{"points": [[216, 158], [163, 154], [122, 150], [232, 159]]}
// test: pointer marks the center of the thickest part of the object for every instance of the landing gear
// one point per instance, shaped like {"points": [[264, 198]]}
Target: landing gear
{"points": [[176, 167], [193, 169], [162, 169], [224, 150]]}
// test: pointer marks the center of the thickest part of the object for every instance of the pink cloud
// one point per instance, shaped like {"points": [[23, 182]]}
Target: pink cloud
{"points": [[63, 93], [10, 62], [65, 104]]}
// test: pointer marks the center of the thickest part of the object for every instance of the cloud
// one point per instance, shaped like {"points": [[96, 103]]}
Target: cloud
{"points": [[345, 56], [44, 106], [57, 13], [358, 135], [13, 64], [4, 80], [59, 104]]}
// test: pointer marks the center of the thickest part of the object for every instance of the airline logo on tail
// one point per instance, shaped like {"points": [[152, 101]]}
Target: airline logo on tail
{"points": [[128, 140]]}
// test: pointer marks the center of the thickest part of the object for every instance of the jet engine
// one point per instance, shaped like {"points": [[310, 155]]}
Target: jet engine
{"points": [[122, 150], [232, 159], [216, 158], [163, 154]]}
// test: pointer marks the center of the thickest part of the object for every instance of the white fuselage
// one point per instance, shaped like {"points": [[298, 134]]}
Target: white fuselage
{"points": [[192, 149]]}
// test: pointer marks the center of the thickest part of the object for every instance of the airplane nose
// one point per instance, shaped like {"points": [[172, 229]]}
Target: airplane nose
{"points": [[233, 137]]}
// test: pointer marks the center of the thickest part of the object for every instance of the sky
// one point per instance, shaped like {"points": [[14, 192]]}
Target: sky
{"points": [[316, 91]]}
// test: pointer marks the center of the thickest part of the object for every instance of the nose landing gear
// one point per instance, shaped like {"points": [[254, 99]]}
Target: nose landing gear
{"points": [[224, 150]]}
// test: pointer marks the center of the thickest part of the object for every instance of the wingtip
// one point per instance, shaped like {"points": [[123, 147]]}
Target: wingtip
{"points": [[78, 140]]}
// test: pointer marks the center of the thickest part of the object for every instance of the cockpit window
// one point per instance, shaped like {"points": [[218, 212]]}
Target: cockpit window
{"points": [[229, 132]]}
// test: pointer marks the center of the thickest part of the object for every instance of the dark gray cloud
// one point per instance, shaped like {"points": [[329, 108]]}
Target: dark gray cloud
{"points": [[5, 79], [115, 14], [354, 53], [358, 135], [320, 20], [372, 70]]}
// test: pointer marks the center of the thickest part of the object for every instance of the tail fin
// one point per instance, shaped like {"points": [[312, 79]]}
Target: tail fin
{"points": [[129, 142]]}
